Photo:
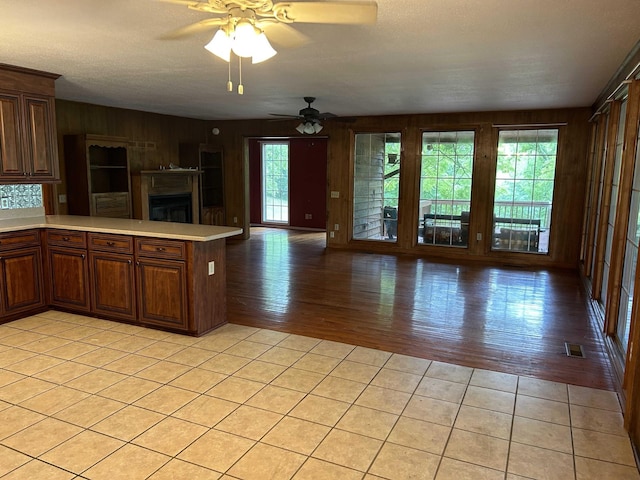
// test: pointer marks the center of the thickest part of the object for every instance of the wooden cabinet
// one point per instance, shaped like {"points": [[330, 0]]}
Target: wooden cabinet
{"points": [[181, 285], [28, 143], [98, 182], [112, 276], [68, 270], [162, 283], [209, 160], [177, 285], [21, 274]]}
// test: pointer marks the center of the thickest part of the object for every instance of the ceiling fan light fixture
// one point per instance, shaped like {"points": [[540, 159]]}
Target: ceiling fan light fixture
{"points": [[262, 49], [309, 128], [220, 45], [245, 37]]}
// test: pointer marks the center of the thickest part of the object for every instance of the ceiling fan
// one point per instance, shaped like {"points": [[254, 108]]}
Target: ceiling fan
{"points": [[242, 25], [273, 18], [310, 117]]}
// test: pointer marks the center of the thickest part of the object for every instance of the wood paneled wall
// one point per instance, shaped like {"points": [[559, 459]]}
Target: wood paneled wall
{"points": [[153, 138], [154, 141], [564, 248]]}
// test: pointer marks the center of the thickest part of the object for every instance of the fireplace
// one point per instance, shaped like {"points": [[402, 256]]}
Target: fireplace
{"points": [[166, 195], [170, 208]]}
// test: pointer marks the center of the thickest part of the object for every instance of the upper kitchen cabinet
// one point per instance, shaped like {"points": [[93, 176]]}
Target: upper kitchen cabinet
{"points": [[28, 143], [98, 182]]}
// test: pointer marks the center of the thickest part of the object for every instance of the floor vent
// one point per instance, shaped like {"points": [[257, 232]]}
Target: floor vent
{"points": [[574, 350]]}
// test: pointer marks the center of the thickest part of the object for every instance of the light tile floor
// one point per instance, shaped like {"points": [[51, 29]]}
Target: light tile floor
{"points": [[88, 398]]}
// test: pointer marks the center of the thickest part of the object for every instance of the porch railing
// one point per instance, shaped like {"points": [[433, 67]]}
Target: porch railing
{"points": [[533, 210]]}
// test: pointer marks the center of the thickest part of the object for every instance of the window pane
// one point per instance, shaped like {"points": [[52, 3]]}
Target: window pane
{"points": [[445, 188], [523, 196], [376, 186]]}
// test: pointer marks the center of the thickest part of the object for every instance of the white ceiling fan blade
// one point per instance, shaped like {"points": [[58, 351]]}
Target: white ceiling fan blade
{"points": [[282, 34], [200, 26], [364, 12]]}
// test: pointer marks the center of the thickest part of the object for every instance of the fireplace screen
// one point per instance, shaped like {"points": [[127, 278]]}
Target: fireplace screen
{"points": [[170, 208]]}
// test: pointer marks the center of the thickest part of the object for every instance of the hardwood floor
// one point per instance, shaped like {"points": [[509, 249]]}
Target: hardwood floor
{"points": [[497, 318]]}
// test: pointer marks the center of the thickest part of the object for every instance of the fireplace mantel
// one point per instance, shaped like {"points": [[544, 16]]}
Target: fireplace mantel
{"points": [[148, 183]]}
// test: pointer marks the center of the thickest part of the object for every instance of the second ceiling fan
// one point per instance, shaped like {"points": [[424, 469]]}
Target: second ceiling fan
{"points": [[310, 117]]}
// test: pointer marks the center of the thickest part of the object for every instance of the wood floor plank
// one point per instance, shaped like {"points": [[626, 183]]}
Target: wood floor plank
{"points": [[506, 319]]}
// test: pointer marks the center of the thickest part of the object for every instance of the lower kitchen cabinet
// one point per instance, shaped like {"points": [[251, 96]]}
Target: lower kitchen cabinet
{"points": [[162, 293], [112, 285], [162, 273], [112, 276], [68, 270], [21, 279], [175, 285]]}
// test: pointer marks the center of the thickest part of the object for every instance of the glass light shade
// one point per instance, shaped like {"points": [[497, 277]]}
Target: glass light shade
{"points": [[220, 45], [262, 49], [309, 128], [244, 39]]}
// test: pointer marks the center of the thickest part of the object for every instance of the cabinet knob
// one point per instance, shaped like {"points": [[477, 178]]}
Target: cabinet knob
{"points": [[65, 239], [160, 249], [111, 244], [82, 256], [129, 262], [138, 263]]}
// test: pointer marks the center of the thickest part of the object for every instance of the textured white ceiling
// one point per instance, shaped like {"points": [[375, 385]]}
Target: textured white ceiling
{"points": [[422, 56]]}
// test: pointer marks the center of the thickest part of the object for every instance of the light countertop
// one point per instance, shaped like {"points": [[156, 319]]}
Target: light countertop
{"points": [[122, 226]]}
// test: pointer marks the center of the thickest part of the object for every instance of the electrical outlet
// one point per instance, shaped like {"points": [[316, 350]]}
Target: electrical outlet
{"points": [[478, 236], [332, 234], [235, 220], [62, 198], [336, 227], [212, 268], [335, 194], [4, 203]]}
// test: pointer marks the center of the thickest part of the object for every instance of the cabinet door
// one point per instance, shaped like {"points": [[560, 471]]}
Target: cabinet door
{"points": [[69, 279], [11, 162], [112, 285], [40, 139], [22, 280], [162, 293]]}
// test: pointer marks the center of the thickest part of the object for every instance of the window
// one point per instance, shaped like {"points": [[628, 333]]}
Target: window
{"points": [[445, 188], [630, 259], [376, 186], [615, 183], [523, 195], [275, 182]]}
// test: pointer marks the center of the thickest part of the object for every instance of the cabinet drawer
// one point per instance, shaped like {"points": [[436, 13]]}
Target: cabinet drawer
{"points": [[160, 248], [110, 243], [27, 238], [67, 238]]}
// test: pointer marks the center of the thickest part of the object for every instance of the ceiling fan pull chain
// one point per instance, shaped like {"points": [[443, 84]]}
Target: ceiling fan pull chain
{"points": [[229, 82], [240, 86]]}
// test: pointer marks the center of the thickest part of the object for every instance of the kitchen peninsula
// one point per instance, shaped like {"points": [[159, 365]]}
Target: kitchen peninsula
{"points": [[156, 274]]}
